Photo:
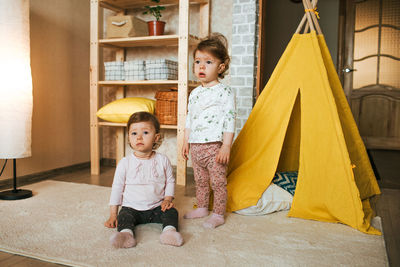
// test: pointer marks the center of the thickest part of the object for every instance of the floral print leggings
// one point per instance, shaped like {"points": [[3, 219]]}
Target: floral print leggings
{"points": [[207, 171]]}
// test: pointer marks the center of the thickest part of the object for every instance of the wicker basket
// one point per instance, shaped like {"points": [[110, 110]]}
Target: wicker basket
{"points": [[167, 107]]}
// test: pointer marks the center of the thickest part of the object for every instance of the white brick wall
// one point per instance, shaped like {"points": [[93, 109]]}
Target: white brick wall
{"points": [[243, 64]]}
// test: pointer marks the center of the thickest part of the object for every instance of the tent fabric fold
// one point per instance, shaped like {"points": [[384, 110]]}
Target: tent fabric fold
{"points": [[302, 122]]}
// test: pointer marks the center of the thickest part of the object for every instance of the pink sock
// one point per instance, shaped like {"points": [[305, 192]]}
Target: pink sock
{"points": [[171, 237], [197, 213], [214, 221], [122, 240]]}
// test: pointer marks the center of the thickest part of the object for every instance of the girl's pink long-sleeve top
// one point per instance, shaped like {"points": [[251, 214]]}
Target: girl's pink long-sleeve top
{"points": [[142, 184]]}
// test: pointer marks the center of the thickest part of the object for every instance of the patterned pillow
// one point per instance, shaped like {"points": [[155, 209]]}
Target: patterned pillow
{"points": [[286, 180]]}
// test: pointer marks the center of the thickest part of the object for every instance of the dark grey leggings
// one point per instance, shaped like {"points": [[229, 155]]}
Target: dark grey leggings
{"points": [[128, 218]]}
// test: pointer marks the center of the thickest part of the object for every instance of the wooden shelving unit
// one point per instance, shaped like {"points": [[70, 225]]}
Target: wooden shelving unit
{"points": [[183, 40]]}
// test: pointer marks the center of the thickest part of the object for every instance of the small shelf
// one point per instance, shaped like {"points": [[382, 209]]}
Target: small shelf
{"points": [[148, 41], [117, 124], [112, 124], [146, 82], [117, 5]]}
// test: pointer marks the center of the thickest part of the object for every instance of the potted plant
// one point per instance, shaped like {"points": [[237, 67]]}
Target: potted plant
{"points": [[156, 27]]}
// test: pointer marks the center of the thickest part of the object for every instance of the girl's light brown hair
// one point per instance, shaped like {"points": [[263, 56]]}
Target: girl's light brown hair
{"points": [[216, 44], [146, 117]]}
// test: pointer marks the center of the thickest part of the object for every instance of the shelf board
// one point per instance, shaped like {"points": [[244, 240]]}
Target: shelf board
{"points": [[154, 41], [112, 124], [128, 4], [165, 126], [117, 124], [146, 82]]}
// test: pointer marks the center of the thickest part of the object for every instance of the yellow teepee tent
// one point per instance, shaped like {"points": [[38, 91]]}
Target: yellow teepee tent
{"points": [[302, 121]]}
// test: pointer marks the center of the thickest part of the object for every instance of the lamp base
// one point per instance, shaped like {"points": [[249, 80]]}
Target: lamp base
{"points": [[15, 194]]}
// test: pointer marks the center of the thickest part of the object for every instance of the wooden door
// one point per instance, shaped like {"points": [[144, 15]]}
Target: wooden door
{"points": [[370, 68]]}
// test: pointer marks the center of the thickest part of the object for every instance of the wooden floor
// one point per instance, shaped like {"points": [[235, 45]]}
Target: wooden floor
{"points": [[388, 205]]}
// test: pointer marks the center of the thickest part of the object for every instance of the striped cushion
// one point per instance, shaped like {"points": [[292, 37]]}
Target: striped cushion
{"points": [[286, 180]]}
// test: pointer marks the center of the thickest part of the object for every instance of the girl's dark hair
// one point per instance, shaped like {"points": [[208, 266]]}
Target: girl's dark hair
{"points": [[215, 44], [143, 116]]}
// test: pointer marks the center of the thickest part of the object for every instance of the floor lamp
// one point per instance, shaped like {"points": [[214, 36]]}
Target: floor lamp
{"points": [[15, 88], [15, 193]]}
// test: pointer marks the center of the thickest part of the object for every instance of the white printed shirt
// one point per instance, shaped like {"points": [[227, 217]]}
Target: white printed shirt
{"points": [[142, 184], [211, 112]]}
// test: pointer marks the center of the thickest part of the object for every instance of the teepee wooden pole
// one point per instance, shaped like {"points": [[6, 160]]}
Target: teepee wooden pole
{"points": [[301, 24], [306, 28], [309, 19], [303, 20], [312, 15]]}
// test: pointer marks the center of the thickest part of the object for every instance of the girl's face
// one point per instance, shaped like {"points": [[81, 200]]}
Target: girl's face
{"points": [[142, 136], [207, 68]]}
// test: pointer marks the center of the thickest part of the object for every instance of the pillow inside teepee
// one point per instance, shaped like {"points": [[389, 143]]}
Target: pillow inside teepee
{"points": [[286, 180]]}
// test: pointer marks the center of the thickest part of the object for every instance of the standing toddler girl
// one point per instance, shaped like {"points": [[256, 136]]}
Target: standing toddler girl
{"points": [[144, 186], [210, 125]]}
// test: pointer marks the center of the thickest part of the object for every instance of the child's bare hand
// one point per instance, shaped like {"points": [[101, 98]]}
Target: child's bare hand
{"points": [[111, 222], [185, 150], [223, 154], [166, 204]]}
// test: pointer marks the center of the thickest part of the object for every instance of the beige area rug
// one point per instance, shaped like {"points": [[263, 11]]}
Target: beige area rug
{"points": [[63, 223]]}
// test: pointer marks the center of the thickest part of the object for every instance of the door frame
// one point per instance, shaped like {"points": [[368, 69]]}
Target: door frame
{"points": [[262, 38]]}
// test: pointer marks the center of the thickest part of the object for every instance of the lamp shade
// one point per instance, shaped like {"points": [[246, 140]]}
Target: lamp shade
{"points": [[15, 80]]}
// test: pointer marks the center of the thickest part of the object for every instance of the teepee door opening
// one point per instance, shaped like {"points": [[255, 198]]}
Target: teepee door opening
{"points": [[289, 157], [371, 67]]}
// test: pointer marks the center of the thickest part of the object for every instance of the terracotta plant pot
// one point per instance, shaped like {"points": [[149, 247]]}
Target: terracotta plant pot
{"points": [[156, 27]]}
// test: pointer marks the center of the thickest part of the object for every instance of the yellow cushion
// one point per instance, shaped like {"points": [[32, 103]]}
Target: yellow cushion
{"points": [[120, 110]]}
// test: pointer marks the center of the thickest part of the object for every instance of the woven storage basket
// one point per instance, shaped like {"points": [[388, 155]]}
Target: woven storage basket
{"points": [[167, 107]]}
